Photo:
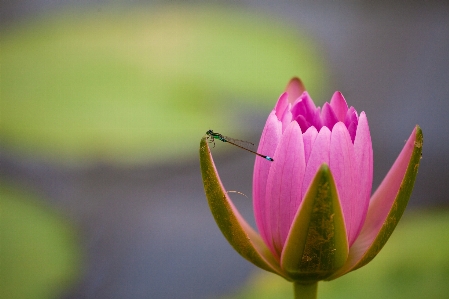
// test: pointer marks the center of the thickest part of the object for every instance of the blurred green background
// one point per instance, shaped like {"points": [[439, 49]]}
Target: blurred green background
{"points": [[138, 84], [413, 264], [102, 107], [39, 252]]}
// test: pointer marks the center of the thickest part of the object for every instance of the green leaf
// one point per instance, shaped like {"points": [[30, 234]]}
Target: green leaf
{"points": [[236, 230], [317, 244]]}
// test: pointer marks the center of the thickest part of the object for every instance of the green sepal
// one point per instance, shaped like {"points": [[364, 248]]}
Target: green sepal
{"points": [[400, 203], [236, 230], [316, 245], [372, 239]]}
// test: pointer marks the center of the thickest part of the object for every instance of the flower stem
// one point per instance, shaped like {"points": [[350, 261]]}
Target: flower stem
{"points": [[305, 291]]}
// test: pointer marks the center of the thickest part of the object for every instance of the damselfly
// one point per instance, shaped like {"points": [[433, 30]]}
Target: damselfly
{"points": [[211, 135]]}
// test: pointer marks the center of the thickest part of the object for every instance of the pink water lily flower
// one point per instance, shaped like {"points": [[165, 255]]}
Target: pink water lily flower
{"points": [[313, 206], [301, 137]]}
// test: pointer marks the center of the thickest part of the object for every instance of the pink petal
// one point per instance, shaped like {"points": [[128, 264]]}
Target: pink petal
{"points": [[309, 139], [328, 117], [304, 106], [286, 117], [281, 105], [302, 122], [270, 138], [384, 197], [294, 88], [316, 120], [339, 106], [351, 116], [283, 194], [351, 122], [352, 129], [363, 153], [341, 164], [383, 202], [318, 156]]}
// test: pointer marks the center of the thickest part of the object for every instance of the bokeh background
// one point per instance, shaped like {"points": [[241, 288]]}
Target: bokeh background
{"points": [[103, 105]]}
